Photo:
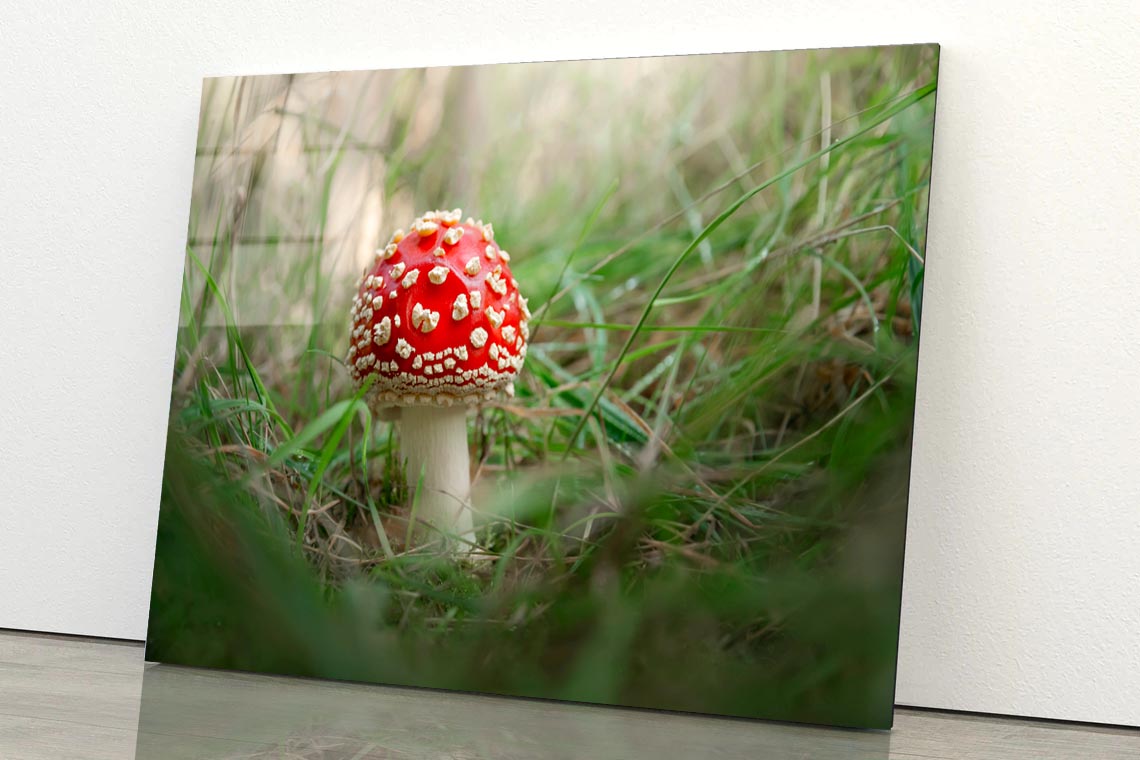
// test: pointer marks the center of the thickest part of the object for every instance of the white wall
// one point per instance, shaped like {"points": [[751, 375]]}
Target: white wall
{"points": [[1023, 562]]}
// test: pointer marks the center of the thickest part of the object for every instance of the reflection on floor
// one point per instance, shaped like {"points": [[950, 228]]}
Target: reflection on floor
{"points": [[282, 717], [71, 698]]}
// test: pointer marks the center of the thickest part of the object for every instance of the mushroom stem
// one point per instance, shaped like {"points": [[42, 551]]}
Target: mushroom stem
{"points": [[433, 440]]}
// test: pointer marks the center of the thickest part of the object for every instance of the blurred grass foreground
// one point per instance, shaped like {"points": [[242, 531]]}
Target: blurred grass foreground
{"points": [[697, 498]]}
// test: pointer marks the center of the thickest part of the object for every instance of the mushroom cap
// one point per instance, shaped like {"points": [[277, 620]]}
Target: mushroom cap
{"points": [[438, 319]]}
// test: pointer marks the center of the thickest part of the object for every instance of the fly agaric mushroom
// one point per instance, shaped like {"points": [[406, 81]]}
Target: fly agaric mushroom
{"points": [[439, 323]]}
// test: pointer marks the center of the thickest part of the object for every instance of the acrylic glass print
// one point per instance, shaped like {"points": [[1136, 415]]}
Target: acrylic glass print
{"points": [[587, 381]]}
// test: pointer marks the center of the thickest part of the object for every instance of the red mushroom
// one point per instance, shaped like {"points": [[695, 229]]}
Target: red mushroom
{"points": [[439, 322]]}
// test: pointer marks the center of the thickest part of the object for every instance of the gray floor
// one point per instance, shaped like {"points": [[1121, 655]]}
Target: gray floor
{"points": [[69, 698]]}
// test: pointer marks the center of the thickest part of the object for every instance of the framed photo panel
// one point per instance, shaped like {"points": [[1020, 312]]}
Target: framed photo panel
{"points": [[587, 381]]}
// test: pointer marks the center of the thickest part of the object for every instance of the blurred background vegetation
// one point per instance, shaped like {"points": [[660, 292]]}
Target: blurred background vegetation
{"points": [[697, 499]]}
